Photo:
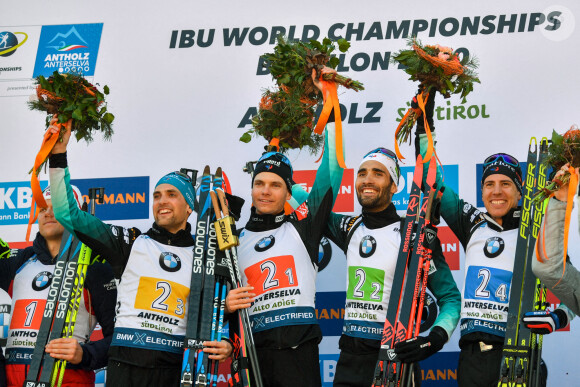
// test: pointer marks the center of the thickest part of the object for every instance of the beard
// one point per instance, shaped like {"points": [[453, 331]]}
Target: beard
{"points": [[381, 200]]}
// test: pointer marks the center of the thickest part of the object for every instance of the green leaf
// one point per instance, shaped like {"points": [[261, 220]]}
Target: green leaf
{"points": [[343, 45], [77, 114], [106, 90], [246, 137]]}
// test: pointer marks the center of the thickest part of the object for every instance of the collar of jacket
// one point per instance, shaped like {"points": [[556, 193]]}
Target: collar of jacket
{"points": [[510, 221], [265, 222], [182, 238], [374, 220], [40, 248]]}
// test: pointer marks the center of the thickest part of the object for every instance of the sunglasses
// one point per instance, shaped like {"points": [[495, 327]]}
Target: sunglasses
{"points": [[503, 156], [386, 152]]}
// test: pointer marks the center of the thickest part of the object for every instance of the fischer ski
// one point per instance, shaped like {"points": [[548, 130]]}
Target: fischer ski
{"points": [[522, 349]]}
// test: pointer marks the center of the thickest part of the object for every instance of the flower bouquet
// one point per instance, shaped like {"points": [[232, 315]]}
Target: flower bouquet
{"points": [[436, 68], [564, 149], [286, 113], [71, 96]]}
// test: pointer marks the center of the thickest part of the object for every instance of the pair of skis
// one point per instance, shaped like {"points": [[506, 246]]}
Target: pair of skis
{"points": [[521, 356], [208, 288], [62, 305], [407, 297], [207, 291], [245, 349]]}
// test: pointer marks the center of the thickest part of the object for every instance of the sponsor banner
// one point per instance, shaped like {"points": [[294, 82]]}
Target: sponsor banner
{"points": [[125, 197], [69, 48], [330, 312], [344, 200], [440, 369], [15, 201], [401, 198], [450, 246]]}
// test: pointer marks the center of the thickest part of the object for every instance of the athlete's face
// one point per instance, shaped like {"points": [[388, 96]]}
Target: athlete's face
{"points": [[374, 187], [500, 195], [269, 193], [48, 227], [170, 209]]}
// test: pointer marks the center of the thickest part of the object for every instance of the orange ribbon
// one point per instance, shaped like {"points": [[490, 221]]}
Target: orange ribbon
{"points": [[421, 99], [331, 101], [38, 201]]}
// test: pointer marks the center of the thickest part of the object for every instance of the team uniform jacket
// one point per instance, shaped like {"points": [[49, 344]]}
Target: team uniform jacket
{"points": [[489, 258], [154, 271], [278, 256], [371, 244], [26, 275]]}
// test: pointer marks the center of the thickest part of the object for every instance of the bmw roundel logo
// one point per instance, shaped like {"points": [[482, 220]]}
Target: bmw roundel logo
{"points": [[324, 253], [493, 247], [368, 245], [42, 281], [169, 262], [265, 243]]}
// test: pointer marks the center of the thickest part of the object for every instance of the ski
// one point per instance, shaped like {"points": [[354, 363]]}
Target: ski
{"points": [[191, 341], [245, 347], [387, 369], [519, 362], [55, 311]]}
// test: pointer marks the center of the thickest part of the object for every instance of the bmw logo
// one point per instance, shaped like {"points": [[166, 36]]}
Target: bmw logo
{"points": [[169, 262], [368, 245], [430, 312], [493, 247], [265, 243], [324, 253], [41, 281]]}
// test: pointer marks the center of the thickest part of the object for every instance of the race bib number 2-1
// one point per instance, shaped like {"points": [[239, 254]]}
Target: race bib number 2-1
{"points": [[272, 273]]}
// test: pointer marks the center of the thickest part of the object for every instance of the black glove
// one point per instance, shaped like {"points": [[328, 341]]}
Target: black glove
{"points": [[429, 108], [544, 322], [421, 347]]}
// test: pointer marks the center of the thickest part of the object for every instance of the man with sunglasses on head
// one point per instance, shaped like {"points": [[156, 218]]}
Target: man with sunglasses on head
{"points": [[489, 240], [154, 269], [278, 257], [371, 243]]}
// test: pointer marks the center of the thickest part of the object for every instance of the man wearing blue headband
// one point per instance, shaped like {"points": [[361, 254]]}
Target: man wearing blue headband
{"points": [[278, 256], [154, 269], [371, 243], [489, 240]]}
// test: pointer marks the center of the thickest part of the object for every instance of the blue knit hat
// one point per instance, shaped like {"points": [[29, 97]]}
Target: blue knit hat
{"points": [[183, 183]]}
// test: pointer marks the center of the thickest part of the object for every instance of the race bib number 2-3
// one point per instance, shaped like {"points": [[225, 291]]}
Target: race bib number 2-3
{"points": [[162, 296]]}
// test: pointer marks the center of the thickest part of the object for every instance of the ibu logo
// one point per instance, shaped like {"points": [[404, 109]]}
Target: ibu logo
{"points": [[265, 243], [42, 281], [71, 48], [367, 247], [169, 262], [493, 247], [9, 42]]}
